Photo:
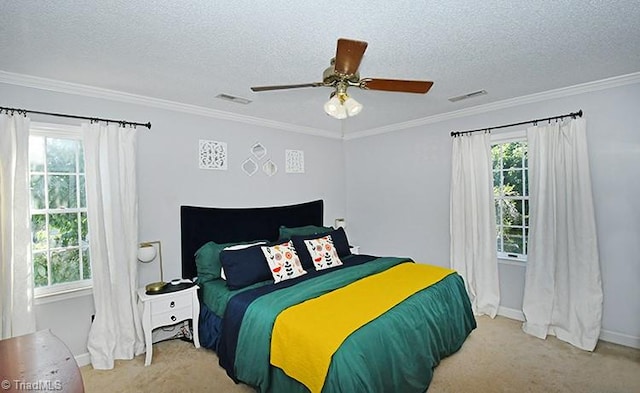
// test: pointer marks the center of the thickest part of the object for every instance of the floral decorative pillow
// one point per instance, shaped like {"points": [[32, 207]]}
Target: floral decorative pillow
{"points": [[323, 253], [283, 261]]}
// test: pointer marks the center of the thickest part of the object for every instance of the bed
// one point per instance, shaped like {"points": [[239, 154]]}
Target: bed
{"points": [[369, 324]]}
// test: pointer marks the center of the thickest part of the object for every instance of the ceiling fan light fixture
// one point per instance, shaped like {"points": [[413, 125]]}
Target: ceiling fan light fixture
{"points": [[352, 106], [343, 73], [334, 108]]}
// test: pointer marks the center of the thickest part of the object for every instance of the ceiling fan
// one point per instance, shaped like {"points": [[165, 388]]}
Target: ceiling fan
{"points": [[343, 73]]}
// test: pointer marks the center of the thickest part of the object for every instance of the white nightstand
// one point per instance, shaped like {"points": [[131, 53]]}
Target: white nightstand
{"points": [[168, 309]]}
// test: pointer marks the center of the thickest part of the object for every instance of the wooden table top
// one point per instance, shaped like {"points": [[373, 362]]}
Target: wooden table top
{"points": [[38, 362]]}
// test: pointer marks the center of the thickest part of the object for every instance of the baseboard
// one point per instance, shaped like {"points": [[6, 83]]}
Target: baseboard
{"points": [[620, 338], [511, 313], [605, 335], [83, 359]]}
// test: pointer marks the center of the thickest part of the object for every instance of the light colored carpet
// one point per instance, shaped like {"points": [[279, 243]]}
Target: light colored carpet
{"points": [[497, 357]]}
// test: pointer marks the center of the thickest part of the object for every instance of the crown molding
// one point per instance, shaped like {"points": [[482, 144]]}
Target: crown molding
{"points": [[97, 92], [588, 87]]}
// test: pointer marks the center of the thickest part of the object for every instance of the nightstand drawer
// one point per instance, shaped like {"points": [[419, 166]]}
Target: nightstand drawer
{"points": [[171, 317], [166, 304]]}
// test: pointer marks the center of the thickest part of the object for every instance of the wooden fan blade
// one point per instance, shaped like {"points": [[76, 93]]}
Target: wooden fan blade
{"points": [[396, 85], [283, 87], [348, 56]]}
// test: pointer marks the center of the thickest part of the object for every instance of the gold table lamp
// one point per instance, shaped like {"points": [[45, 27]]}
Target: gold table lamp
{"points": [[147, 253]]}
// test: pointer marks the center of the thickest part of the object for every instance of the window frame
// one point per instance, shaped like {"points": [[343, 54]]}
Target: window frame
{"points": [[74, 288], [508, 137]]}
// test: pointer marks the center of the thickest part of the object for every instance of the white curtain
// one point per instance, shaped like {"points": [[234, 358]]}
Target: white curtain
{"points": [[16, 269], [473, 225], [563, 288], [112, 203]]}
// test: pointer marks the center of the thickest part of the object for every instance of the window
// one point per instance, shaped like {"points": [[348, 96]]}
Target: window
{"points": [[59, 227], [511, 193]]}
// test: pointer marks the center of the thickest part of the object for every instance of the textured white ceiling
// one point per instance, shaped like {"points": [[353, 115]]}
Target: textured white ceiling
{"points": [[190, 52]]}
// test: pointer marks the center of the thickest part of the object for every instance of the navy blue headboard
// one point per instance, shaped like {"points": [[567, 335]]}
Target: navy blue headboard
{"points": [[200, 225]]}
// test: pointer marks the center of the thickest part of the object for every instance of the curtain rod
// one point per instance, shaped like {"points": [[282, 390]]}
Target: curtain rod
{"points": [[574, 115], [122, 122]]}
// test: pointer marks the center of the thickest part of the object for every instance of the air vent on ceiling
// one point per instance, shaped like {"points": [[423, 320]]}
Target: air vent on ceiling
{"points": [[238, 100], [468, 95]]}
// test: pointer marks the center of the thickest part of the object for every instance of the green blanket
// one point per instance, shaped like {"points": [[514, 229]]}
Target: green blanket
{"points": [[408, 341]]}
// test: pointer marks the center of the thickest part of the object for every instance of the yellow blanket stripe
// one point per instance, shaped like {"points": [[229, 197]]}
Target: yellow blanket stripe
{"points": [[306, 336]]}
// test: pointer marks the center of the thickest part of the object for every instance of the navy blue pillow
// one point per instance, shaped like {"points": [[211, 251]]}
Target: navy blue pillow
{"points": [[245, 267], [340, 242]]}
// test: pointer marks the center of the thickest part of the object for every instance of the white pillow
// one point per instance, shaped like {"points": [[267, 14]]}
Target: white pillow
{"points": [[238, 247], [283, 261], [323, 253]]}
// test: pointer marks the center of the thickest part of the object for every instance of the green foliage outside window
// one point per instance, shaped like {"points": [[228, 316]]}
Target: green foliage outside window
{"points": [[510, 188], [60, 246]]}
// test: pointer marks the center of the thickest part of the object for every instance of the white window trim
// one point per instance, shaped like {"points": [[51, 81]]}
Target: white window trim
{"points": [[519, 258], [508, 136], [512, 261], [57, 292], [64, 294], [56, 130]]}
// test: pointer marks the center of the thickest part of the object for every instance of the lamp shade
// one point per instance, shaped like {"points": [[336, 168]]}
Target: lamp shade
{"points": [[147, 253], [352, 106], [334, 108]]}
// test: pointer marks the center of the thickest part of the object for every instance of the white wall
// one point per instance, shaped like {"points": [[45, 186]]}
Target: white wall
{"points": [[168, 176], [398, 195]]}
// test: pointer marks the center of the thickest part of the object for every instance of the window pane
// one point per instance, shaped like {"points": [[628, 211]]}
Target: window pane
{"points": [[496, 182], [86, 264], [495, 155], [84, 228], [517, 217], [509, 211], [80, 157], [37, 192], [498, 213], [83, 192], [513, 242], [65, 266], [36, 153], [526, 240], [513, 182], [61, 155], [499, 235], [526, 212], [512, 155], [63, 230], [62, 191], [84, 246], [40, 269], [39, 232]]}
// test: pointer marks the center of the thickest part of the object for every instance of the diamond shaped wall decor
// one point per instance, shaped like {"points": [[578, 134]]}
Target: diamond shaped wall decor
{"points": [[249, 166]]}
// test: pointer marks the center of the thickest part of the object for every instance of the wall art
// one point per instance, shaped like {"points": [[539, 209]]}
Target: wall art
{"points": [[213, 155], [294, 161]]}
